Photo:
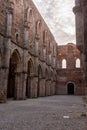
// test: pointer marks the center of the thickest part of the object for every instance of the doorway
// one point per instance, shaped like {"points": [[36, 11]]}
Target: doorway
{"points": [[13, 77], [11, 81], [29, 81], [70, 89]]}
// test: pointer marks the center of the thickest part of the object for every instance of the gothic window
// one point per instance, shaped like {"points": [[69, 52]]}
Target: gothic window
{"points": [[46, 41], [30, 16], [64, 64], [78, 63], [31, 24], [39, 31], [17, 37]]}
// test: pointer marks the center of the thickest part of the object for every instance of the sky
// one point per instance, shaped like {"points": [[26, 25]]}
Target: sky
{"points": [[59, 17]]}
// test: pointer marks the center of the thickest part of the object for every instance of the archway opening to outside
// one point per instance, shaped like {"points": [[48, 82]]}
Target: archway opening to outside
{"points": [[13, 80], [29, 78], [70, 89]]}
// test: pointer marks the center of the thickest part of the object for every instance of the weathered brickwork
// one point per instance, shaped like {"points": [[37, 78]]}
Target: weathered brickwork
{"points": [[70, 73], [31, 63], [28, 52], [80, 11]]}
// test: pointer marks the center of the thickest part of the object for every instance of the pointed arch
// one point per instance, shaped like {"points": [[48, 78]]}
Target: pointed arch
{"points": [[30, 66], [30, 15], [16, 59], [45, 36], [31, 23], [39, 31], [30, 71], [78, 63], [64, 64], [14, 75]]}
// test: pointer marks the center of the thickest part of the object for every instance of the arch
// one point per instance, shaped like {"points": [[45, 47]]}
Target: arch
{"points": [[14, 75], [31, 66], [39, 31], [64, 64], [30, 71], [31, 23], [17, 37], [77, 63], [45, 36], [46, 40], [40, 75], [70, 88], [17, 53], [29, 15]]}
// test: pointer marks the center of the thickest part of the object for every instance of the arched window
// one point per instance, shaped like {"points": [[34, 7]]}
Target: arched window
{"points": [[78, 63], [64, 64], [17, 37]]}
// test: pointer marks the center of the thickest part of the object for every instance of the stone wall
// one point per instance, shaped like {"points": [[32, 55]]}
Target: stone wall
{"points": [[80, 11], [69, 71], [26, 45]]}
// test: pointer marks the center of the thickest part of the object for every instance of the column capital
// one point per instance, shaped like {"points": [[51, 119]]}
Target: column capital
{"points": [[77, 9]]}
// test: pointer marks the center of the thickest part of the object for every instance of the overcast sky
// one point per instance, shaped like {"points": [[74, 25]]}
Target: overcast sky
{"points": [[59, 17]]}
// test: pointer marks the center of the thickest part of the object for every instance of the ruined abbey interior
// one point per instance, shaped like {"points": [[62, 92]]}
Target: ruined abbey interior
{"points": [[32, 64], [69, 71]]}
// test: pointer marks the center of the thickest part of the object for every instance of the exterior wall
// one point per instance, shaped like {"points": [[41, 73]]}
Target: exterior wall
{"points": [[80, 11], [69, 74], [25, 44]]}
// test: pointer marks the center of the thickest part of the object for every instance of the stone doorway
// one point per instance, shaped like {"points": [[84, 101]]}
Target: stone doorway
{"points": [[11, 80], [13, 76], [70, 89], [30, 90]]}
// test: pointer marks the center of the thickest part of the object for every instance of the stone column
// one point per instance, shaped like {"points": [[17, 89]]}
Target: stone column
{"points": [[34, 82], [24, 60], [79, 25], [6, 56], [42, 87], [85, 45], [36, 44], [44, 68], [23, 84]]}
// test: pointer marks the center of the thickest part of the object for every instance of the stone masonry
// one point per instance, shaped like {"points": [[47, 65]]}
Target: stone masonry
{"points": [[31, 63], [27, 52], [80, 11], [69, 73]]}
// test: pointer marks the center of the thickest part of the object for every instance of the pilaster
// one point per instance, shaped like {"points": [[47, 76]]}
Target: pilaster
{"points": [[6, 55]]}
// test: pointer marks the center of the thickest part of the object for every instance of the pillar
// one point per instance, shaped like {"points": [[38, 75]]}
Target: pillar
{"points": [[6, 56], [36, 64], [24, 60]]}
